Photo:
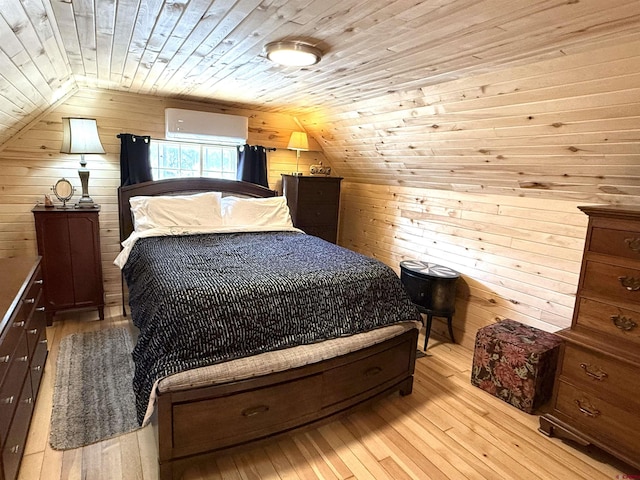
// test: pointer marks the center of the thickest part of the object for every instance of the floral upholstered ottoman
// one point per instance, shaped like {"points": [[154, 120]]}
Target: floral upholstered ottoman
{"points": [[516, 363]]}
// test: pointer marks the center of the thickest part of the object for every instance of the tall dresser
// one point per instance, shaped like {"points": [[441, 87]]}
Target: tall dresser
{"points": [[69, 243], [597, 391], [23, 352], [314, 203]]}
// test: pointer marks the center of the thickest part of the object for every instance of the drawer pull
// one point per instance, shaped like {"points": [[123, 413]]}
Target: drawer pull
{"points": [[30, 300], [588, 410], [39, 309], [623, 323], [596, 373], [39, 282], [33, 331], [7, 401], [633, 244], [37, 368], [5, 359], [23, 359], [372, 371], [28, 401], [15, 449], [43, 341], [630, 283], [253, 411], [19, 324]]}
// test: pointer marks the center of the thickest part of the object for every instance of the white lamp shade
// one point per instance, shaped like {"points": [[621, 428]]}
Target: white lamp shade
{"points": [[298, 141], [80, 135]]}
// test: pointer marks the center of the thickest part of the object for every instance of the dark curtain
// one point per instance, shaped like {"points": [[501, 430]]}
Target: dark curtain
{"points": [[134, 159], [252, 164]]}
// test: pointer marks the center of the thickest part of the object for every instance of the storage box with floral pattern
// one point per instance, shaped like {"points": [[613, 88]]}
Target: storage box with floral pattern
{"points": [[516, 363]]}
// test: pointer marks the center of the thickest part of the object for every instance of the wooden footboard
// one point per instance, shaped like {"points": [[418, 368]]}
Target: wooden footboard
{"points": [[194, 424]]}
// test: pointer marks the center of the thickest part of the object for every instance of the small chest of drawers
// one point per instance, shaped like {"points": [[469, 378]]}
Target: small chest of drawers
{"points": [[597, 391], [314, 203], [23, 352]]}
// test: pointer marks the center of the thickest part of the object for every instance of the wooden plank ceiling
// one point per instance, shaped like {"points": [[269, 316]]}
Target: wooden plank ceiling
{"points": [[204, 49]]}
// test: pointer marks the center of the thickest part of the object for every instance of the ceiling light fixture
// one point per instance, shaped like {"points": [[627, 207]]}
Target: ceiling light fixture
{"points": [[293, 53]]}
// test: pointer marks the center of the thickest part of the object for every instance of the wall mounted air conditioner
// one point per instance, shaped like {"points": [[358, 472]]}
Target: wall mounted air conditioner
{"points": [[205, 127]]}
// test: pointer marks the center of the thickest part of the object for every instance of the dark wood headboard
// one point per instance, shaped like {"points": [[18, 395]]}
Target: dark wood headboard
{"points": [[181, 186]]}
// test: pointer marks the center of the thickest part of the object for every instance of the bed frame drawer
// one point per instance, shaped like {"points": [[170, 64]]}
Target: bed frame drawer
{"points": [[245, 415]]}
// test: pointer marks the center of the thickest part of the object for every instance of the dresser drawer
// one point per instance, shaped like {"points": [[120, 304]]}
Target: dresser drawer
{"points": [[10, 338], [10, 388], [36, 324], [612, 282], [620, 243], [608, 422], [38, 362], [13, 448], [610, 319], [602, 373], [318, 215], [30, 298], [316, 191]]}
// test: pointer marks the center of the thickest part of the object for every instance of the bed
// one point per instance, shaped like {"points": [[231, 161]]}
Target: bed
{"points": [[265, 383]]}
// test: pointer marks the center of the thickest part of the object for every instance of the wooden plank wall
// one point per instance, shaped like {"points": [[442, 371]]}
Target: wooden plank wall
{"points": [[31, 163], [484, 174]]}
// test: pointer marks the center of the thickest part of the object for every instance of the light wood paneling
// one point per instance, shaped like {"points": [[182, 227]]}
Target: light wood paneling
{"points": [[32, 163], [446, 429], [519, 258], [212, 50], [565, 128]]}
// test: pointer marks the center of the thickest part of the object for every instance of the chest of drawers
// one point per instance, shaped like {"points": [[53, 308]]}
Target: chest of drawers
{"points": [[597, 391], [23, 352], [314, 203]]}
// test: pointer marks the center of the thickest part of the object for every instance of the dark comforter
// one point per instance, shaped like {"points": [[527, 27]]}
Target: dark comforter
{"points": [[204, 299]]}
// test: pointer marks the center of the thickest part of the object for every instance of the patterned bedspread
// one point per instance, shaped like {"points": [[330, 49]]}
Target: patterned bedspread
{"points": [[204, 299]]}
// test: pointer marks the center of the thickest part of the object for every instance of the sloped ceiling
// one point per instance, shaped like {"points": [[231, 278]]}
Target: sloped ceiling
{"points": [[213, 50]]}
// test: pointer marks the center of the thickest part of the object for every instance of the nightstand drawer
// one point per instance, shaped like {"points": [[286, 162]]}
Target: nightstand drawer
{"points": [[318, 190], [326, 232], [610, 319]]}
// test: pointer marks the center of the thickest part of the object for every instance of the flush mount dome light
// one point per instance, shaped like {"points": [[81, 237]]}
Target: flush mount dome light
{"points": [[293, 54]]}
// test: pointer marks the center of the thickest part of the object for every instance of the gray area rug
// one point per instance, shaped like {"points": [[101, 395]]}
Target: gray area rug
{"points": [[93, 394]]}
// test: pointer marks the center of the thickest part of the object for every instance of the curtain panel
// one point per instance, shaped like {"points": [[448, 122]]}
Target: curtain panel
{"points": [[135, 166], [252, 164]]}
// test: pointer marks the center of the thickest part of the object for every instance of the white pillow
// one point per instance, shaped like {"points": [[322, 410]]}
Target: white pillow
{"points": [[255, 212], [200, 209]]}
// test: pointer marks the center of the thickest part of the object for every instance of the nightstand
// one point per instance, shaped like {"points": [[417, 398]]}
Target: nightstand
{"points": [[314, 203], [69, 243]]}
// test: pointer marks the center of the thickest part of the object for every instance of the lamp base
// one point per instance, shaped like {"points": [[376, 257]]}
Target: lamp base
{"points": [[86, 202]]}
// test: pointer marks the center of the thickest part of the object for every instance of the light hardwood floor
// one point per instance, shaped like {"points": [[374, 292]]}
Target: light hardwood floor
{"points": [[446, 429]]}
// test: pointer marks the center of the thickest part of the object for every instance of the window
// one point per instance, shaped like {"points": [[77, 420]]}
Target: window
{"points": [[182, 159]]}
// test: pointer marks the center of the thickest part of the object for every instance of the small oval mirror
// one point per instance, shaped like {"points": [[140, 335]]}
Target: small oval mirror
{"points": [[63, 190]]}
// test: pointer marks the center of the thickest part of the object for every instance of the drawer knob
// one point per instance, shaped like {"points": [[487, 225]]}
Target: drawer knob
{"points": [[253, 411], [33, 331], [594, 372], [39, 309], [630, 283], [24, 358], [39, 282], [19, 324], [4, 359], [7, 400], [15, 449], [28, 401], [37, 368], [43, 341], [633, 244], [29, 300], [587, 409]]}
